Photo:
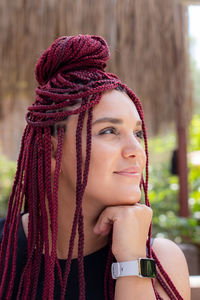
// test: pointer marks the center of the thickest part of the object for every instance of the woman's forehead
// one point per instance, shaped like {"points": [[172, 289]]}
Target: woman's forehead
{"points": [[117, 105]]}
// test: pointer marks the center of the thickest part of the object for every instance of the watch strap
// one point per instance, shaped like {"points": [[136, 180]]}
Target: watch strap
{"points": [[129, 268], [142, 267]]}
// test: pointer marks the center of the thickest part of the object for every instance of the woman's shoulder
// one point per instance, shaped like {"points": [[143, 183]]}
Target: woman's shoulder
{"points": [[169, 253], [163, 246], [174, 263]]}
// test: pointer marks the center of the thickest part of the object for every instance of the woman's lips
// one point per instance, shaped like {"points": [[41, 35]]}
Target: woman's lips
{"points": [[130, 172]]}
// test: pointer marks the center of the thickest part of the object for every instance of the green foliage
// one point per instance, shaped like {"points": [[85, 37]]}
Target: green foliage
{"points": [[7, 172], [194, 199], [194, 132], [160, 144], [163, 196], [163, 191]]}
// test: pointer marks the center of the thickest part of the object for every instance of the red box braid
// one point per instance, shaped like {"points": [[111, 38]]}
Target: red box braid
{"points": [[72, 69]]}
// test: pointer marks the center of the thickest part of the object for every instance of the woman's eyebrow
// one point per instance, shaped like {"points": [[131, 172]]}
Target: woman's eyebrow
{"points": [[113, 121], [108, 120]]}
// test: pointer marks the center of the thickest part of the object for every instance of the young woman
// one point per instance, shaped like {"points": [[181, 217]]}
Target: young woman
{"points": [[78, 184]]}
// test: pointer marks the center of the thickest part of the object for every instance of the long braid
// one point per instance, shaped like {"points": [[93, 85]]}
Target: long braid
{"points": [[79, 204], [55, 208], [78, 194], [20, 203], [7, 238], [43, 220], [84, 183], [81, 228], [33, 219], [40, 192], [72, 69], [47, 146], [44, 217], [107, 272], [35, 241], [28, 194], [165, 287], [15, 222], [167, 278]]}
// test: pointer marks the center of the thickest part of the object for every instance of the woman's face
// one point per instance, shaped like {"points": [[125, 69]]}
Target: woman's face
{"points": [[117, 155]]}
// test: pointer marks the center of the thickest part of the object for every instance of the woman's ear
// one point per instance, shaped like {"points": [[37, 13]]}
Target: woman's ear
{"points": [[54, 144]]}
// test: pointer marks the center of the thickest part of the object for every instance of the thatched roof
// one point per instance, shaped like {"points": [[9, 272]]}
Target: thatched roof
{"points": [[191, 2], [148, 42]]}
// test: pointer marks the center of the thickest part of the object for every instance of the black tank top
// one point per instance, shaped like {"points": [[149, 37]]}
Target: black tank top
{"points": [[94, 266]]}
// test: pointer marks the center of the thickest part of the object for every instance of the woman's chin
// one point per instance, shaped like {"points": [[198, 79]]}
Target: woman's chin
{"points": [[129, 199]]}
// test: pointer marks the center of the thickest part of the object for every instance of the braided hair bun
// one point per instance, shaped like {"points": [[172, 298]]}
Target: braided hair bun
{"points": [[69, 53]]}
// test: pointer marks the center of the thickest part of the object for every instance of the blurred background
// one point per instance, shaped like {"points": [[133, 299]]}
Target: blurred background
{"points": [[155, 50]]}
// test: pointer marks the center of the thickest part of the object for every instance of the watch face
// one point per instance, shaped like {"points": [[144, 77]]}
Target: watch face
{"points": [[148, 268]]}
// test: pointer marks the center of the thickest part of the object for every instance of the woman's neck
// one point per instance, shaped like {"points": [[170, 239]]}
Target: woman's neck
{"points": [[92, 241]]}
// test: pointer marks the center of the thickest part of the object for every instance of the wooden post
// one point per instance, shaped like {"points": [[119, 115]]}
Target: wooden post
{"points": [[182, 164]]}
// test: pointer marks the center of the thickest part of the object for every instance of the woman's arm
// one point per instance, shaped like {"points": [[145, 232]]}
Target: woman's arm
{"points": [[174, 263], [130, 225], [134, 288]]}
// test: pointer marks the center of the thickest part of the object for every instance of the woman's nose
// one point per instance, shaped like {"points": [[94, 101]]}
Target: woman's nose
{"points": [[131, 148]]}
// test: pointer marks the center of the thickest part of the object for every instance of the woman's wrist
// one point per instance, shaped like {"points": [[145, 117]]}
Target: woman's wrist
{"points": [[129, 256]]}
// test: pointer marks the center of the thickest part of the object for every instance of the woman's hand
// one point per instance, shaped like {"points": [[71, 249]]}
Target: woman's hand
{"points": [[130, 226]]}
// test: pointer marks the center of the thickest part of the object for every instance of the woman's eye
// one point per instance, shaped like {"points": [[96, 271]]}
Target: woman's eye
{"points": [[139, 134], [109, 130]]}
